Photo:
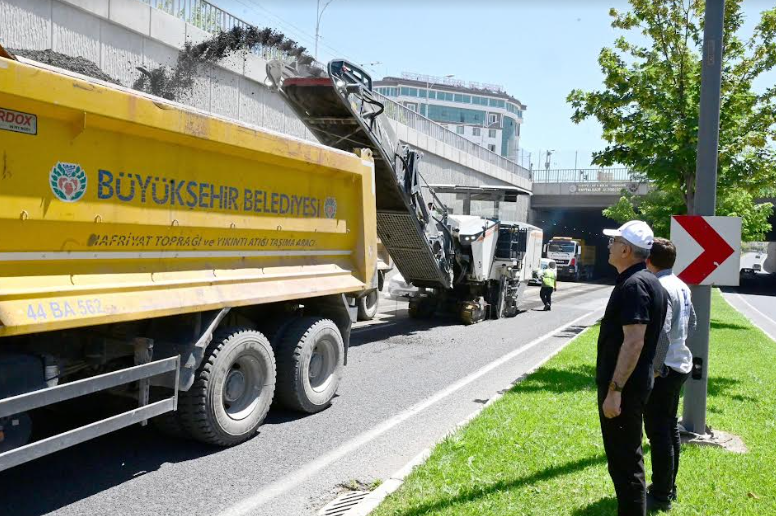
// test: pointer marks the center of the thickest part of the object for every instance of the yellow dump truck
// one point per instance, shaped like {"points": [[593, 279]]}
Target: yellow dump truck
{"points": [[200, 266]]}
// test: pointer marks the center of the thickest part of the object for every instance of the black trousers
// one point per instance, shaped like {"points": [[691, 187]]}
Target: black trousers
{"points": [[622, 443], [662, 427], [545, 294]]}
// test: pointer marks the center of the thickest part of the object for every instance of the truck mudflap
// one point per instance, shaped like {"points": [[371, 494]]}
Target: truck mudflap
{"points": [[33, 400]]}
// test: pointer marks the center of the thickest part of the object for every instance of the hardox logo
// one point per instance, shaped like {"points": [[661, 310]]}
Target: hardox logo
{"points": [[68, 181], [330, 207]]}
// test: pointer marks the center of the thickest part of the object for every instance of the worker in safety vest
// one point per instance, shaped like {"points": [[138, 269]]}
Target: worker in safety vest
{"points": [[549, 285]]}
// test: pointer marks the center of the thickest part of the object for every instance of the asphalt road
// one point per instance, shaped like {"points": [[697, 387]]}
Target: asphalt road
{"points": [[748, 260], [756, 298], [407, 384]]}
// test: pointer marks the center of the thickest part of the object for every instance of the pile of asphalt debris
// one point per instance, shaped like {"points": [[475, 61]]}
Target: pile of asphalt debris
{"points": [[169, 83], [174, 83], [74, 64]]}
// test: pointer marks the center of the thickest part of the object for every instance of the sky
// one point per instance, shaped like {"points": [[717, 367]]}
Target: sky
{"points": [[538, 50]]}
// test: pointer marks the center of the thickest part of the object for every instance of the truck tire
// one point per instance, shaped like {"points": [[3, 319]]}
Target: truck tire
{"points": [[310, 358], [501, 299], [232, 390], [367, 306]]}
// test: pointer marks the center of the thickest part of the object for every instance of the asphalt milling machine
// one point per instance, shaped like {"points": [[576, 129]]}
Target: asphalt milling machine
{"points": [[473, 266]]}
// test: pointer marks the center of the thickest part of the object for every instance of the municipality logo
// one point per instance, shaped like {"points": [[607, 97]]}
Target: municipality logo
{"points": [[330, 207], [68, 181]]}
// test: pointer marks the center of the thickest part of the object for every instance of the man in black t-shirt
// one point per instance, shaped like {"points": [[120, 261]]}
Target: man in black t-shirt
{"points": [[627, 342]]}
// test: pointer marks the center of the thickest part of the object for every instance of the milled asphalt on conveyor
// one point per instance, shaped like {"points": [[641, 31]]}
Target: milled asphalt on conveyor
{"points": [[394, 364]]}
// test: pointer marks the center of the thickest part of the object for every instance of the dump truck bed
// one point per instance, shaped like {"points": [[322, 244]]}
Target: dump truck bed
{"points": [[117, 206]]}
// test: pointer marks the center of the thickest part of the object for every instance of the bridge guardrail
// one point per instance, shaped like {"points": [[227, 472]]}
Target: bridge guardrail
{"points": [[587, 175], [212, 19]]}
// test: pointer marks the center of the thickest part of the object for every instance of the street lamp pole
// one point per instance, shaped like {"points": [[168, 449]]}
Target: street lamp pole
{"points": [[318, 16], [428, 91]]}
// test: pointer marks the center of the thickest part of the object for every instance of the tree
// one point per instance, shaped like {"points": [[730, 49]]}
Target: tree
{"points": [[648, 109]]}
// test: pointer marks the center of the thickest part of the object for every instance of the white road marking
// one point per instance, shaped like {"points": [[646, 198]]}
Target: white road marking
{"points": [[747, 303], [296, 478]]}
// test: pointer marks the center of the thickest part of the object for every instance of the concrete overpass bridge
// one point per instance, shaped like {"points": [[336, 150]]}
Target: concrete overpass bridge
{"points": [[569, 202]]}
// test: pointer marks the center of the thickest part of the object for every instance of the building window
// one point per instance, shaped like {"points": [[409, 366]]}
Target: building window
{"points": [[492, 118], [411, 106], [456, 115], [467, 99], [413, 92], [476, 131], [492, 147], [491, 133], [432, 94], [459, 129]]}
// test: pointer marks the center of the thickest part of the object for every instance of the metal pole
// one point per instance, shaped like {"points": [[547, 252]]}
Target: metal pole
{"points": [[428, 91], [694, 414], [317, 25]]}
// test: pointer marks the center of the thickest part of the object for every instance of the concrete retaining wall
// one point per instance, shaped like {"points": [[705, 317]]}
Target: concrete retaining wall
{"points": [[120, 35]]}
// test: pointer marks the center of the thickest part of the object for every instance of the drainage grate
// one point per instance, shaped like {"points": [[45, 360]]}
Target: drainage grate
{"points": [[342, 505]]}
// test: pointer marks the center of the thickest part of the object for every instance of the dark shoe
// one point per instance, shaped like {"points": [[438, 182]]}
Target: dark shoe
{"points": [[549, 307], [655, 504]]}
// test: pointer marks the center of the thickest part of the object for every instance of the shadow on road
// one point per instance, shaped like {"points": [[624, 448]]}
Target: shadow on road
{"points": [[399, 325], [760, 285], [55, 481]]}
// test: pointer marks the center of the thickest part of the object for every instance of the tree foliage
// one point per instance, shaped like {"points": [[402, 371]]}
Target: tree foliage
{"points": [[649, 108]]}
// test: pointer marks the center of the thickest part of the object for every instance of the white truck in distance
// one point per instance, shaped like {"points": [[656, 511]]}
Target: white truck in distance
{"points": [[575, 259]]}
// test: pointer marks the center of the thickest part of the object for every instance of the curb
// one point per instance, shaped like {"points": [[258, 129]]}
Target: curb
{"points": [[371, 501]]}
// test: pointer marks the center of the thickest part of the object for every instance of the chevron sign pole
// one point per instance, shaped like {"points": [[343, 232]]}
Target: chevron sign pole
{"points": [[694, 413]]}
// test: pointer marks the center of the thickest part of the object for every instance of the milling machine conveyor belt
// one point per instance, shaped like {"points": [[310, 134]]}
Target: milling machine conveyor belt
{"points": [[347, 117]]}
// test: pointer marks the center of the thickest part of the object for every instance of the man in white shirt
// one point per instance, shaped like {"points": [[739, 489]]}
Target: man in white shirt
{"points": [[672, 365]]}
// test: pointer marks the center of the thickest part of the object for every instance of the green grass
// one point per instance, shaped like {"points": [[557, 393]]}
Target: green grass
{"points": [[538, 450]]}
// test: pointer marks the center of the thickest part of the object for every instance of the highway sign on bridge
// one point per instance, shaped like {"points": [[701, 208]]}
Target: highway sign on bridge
{"points": [[708, 249]]}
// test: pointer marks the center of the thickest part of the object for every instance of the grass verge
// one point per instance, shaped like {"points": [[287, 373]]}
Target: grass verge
{"points": [[538, 450]]}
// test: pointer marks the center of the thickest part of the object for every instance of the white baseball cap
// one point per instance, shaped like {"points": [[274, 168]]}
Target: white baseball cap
{"points": [[636, 232]]}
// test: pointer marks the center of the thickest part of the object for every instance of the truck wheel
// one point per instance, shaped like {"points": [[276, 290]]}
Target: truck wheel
{"points": [[310, 362], [232, 391], [367, 306], [498, 308]]}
